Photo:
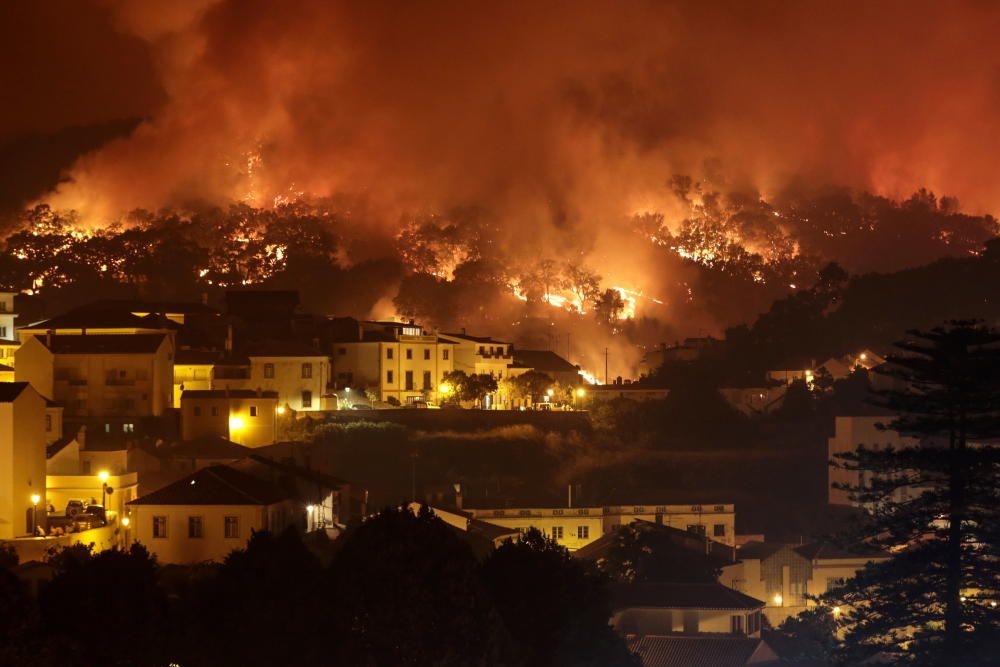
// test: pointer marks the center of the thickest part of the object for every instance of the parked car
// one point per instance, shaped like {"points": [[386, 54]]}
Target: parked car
{"points": [[99, 511], [75, 507], [361, 406]]}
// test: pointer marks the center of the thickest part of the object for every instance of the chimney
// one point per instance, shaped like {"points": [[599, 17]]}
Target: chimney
{"points": [[229, 337], [569, 495]]}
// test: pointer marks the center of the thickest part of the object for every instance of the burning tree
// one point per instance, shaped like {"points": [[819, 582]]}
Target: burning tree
{"points": [[935, 601]]}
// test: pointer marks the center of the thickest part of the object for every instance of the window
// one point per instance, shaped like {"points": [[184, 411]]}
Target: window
{"points": [[719, 530], [253, 410], [307, 399], [388, 377], [232, 526], [341, 351], [107, 428], [583, 532], [3, 332], [427, 354], [160, 526], [427, 379], [197, 411], [307, 371], [215, 411], [697, 529], [268, 370], [444, 354], [736, 624], [409, 353], [557, 532], [48, 422], [409, 380], [194, 527], [128, 428], [388, 353]]}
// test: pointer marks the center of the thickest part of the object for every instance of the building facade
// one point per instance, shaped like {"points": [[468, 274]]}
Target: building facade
{"points": [[22, 460], [244, 416]]}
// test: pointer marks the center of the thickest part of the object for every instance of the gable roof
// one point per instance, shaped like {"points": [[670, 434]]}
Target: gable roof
{"points": [[717, 553], [543, 360], [102, 343], [9, 391], [138, 306], [57, 446], [207, 447], [662, 651], [681, 596], [215, 485]]}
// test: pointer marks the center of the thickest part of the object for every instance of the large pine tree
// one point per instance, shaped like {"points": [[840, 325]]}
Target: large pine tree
{"points": [[933, 506]]}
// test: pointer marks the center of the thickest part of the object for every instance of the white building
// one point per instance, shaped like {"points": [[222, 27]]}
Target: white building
{"points": [[853, 432], [397, 361], [576, 527], [208, 514]]}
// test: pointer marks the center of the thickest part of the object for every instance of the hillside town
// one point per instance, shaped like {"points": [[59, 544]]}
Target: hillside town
{"points": [[173, 426]]}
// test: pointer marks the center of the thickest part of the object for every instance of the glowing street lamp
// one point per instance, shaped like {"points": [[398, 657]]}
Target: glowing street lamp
{"points": [[126, 521], [103, 476], [236, 423], [581, 392], [35, 499], [280, 409], [444, 388], [778, 599]]}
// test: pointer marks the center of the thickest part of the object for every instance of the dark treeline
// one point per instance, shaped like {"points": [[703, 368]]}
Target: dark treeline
{"points": [[400, 589]]}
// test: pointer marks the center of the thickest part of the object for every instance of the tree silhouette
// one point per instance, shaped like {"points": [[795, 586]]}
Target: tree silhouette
{"points": [[934, 505], [556, 612]]}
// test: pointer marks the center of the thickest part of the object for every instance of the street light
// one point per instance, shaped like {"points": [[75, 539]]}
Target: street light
{"points": [[35, 499], [581, 392], [778, 599], [280, 409], [103, 476]]}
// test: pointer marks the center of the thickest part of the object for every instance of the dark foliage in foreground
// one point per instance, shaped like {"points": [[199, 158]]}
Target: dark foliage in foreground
{"points": [[399, 589]]}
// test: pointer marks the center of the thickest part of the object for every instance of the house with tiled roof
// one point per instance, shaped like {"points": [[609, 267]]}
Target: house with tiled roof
{"points": [[206, 515], [681, 651], [689, 625], [784, 575]]}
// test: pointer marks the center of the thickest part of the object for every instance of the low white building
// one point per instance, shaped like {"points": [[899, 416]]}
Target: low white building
{"points": [[208, 514], [576, 527]]}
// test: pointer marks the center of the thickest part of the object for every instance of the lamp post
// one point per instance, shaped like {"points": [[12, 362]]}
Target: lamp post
{"points": [[125, 523], [103, 476], [35, 499]]}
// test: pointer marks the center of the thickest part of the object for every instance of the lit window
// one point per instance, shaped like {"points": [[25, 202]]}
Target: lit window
{"points": [[194, 527], [128, 428], [232, 526], [160, 526]]}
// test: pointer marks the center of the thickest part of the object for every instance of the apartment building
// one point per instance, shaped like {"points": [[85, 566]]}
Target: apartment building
{"points": [[108, 375], [853, 432], [480, 355], [399, 362], [8, 337]]}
